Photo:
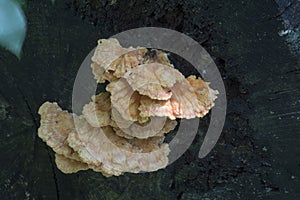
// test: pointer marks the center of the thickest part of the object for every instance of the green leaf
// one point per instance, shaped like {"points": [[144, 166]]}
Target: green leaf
{"points": [[12, 26]]}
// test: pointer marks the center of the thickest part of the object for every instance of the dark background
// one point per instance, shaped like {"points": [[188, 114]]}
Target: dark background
{"points": [[258, 154]]}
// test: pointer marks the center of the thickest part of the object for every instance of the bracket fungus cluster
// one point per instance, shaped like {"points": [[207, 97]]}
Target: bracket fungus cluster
{"points": [[122, 129]]}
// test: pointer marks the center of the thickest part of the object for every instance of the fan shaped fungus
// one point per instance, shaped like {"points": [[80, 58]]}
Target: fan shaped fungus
{"points": [[122, 129]]}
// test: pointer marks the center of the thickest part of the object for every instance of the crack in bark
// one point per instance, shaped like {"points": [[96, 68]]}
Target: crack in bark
{"points": [[35, 135], [35, 139], [283, 10], [53, 172], [28, 107]]}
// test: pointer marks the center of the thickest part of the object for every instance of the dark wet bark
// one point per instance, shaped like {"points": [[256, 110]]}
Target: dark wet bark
{"points": [[257, 155]]}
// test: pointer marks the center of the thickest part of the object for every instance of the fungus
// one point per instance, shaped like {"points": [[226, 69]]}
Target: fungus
{"points": [[111, 61], [98, 112], [68, 166], [157, 56], [127, 61], [122, 129], [205, 95], [107, 51], [97, 148], [190, 98], [154, 80], [148, 130], [56, 125], [124, 99], [115, 155], [182, 104]]}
